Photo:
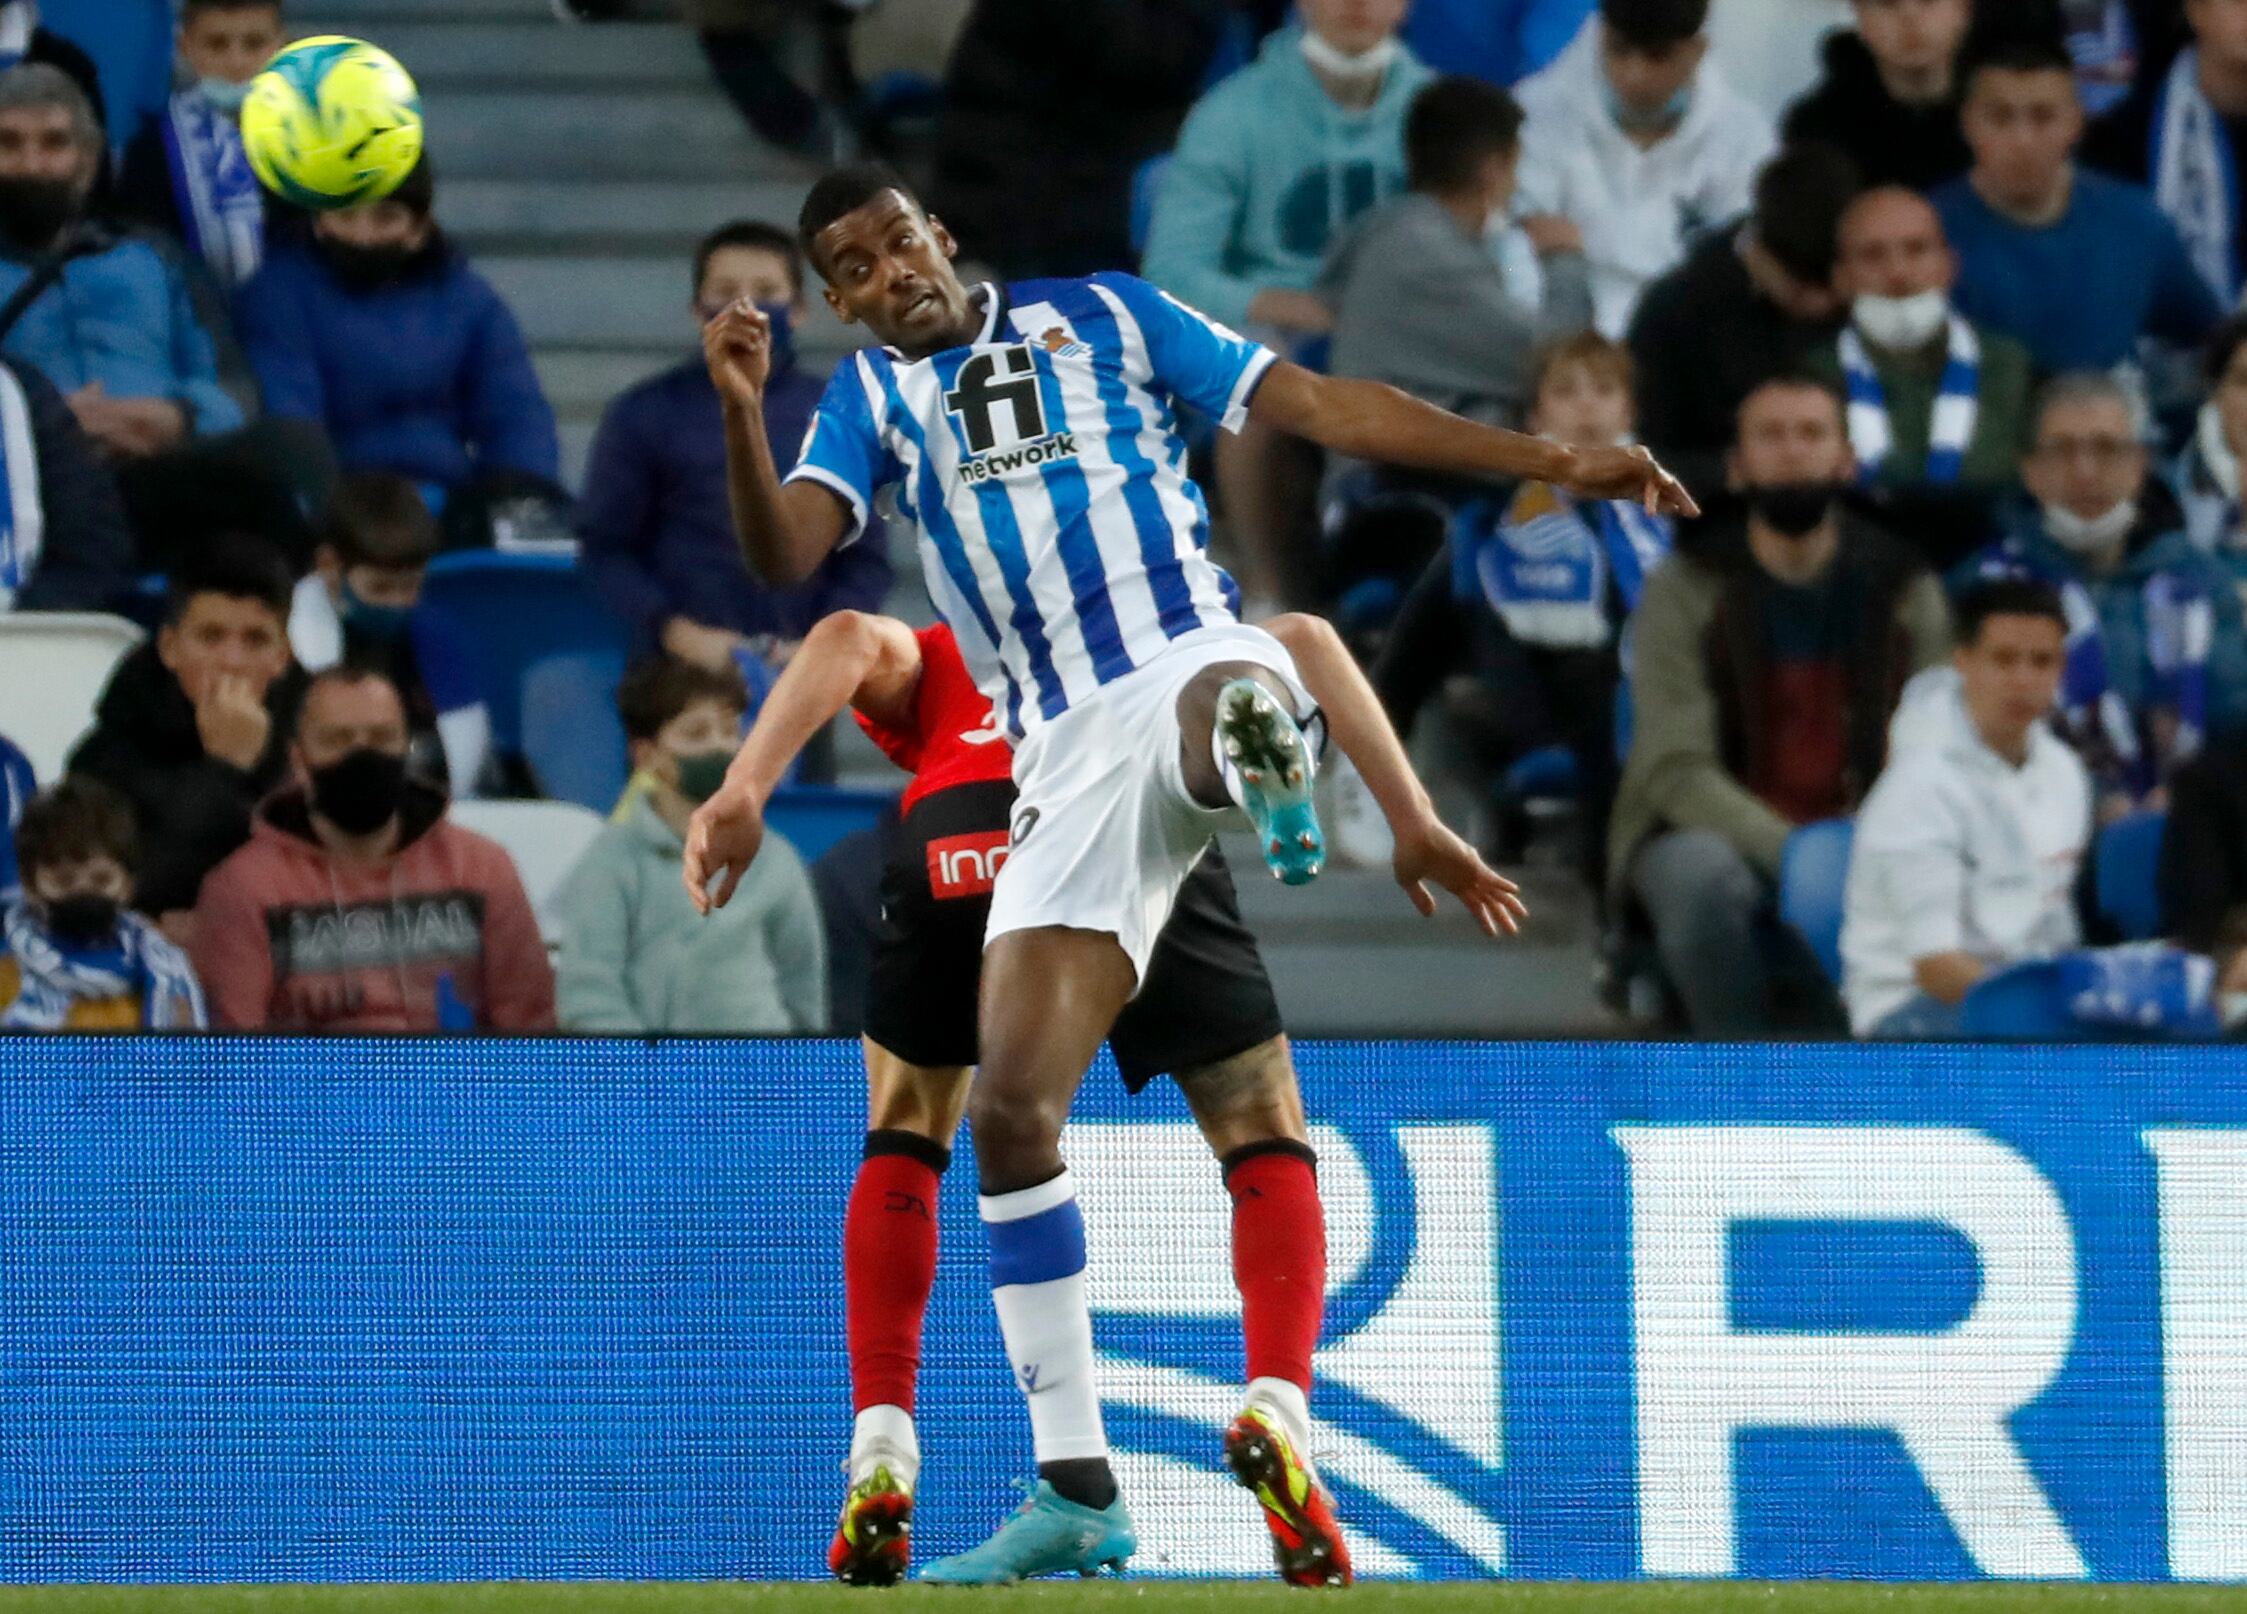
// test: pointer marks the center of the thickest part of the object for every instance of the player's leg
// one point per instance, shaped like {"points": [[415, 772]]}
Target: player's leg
{"points": [[889, 1268], [1240, 745]]}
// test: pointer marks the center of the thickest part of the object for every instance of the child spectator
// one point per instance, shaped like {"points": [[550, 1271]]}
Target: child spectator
{"points": [[184, 171], [1889, 97], [194, 727], [635, 956], [73, 957], [357, 906]]}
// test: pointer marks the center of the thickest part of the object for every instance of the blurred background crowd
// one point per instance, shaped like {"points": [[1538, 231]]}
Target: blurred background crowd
{"points": [[371, 619]]}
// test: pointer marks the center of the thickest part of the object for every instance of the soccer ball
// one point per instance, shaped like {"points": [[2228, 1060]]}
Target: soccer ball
{"points": [[332, 122]]}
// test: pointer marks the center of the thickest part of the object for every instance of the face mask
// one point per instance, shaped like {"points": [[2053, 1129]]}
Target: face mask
{"points": [[83, 919], [2233, 1007], [387, 623], [1793, 509], [701, 773], [1340, 64], [367, 268], [1901, 323], [34, 211], [223, 93], [1631, 120], [2071, 532], [359, 792]]}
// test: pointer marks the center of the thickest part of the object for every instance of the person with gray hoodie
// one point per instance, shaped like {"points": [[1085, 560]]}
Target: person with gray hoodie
{"points": [[635, 956]]}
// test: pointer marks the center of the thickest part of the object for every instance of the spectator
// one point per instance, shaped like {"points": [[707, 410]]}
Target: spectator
{"points": [[116, 330], [2203, 870], [2078, 266], [25, 41], [656, 528], [1271, 165], [2158, 647], [1889, 97], [64, 544], [1938, 408], [362, 607], [1635, 135], [1419, 300], [635, 957], [2207, 477], [73, 956], [1749, 304], [378, 330], [1529, 600], [1768, 656], [194, 728], [1968, 848], [16, 788], [184, 171], [1034, 166], [357, 905]]}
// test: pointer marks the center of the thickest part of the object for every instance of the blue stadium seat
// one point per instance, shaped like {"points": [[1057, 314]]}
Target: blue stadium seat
{"points": [[815, 817], [1813, 876], [16, 787], [2026, 1002], [1546, 775], [515, 611], [571, 734], [2123, 864]]}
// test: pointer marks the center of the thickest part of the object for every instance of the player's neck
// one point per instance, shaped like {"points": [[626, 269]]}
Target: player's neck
{"points": [[961, 334]]}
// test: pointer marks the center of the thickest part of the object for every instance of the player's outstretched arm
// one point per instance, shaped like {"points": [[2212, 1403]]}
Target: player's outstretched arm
{"points": [[1369, 421], [785, 529], [850, 659], [1426, 848]]}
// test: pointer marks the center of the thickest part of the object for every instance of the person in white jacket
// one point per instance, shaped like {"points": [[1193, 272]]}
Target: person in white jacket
{"points": [[1635, 136], [1968, 848]]}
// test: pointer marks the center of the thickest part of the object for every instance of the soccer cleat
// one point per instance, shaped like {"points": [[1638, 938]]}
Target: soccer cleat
{"points": [[874, 1537], [1047, 1535], [1306, 1541], [1265, 747]]}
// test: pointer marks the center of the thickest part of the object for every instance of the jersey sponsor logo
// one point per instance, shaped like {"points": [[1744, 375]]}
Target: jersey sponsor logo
{"points": [[988, 733], [1001, 414], [966, 865]]}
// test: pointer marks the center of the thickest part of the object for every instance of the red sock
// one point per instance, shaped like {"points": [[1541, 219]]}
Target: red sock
{"points": [[1279, 1256], [889, 1264]]}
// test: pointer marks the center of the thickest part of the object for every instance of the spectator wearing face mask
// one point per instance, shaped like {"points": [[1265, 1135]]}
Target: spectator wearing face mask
{"points": [[184, 172], [73, 956], [635, 956], [357, 905], [654, 524], [1889, 97]]}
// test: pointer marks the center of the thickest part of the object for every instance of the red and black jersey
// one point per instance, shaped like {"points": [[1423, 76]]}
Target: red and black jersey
{"points": [[955, 738]]}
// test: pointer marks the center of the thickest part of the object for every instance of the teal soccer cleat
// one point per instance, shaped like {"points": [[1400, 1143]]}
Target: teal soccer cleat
{"points": [[1263, 744], [1047, 1535]]}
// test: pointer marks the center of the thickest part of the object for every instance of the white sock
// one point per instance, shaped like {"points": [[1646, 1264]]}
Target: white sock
{"points": [[882, 1436], [1037, 1284]]}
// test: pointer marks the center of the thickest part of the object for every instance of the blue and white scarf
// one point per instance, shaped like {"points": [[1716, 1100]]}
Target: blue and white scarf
{"points": [[2180, 636], [1546, 564], [23, 524], [139, 963], [2195, 176], [1957, 406], [18, 22], [221, 205]]}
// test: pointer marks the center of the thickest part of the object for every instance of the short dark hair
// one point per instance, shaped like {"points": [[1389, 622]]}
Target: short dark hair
{"points": [[658, 688], [348, 675], [757, 235], [378, 518], [1453, 127], [73, 820], [1799, 198], [195, 8], [418, 190], [2004, 596], [236, 566], [2015, 53], [1654, 25], [2224, 346], [1794, 378], [841, 191]]}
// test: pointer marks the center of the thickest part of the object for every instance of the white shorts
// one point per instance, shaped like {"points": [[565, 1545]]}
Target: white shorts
{"points": [[1104, 831]]}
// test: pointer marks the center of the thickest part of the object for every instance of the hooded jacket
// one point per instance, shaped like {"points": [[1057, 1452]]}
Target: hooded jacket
{"points": [[1892, 142], [436, 937], [1267, 172], [1641, 210], [190, 808]]}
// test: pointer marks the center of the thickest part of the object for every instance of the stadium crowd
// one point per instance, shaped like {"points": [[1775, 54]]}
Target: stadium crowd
{"points": [[1948, 351]]}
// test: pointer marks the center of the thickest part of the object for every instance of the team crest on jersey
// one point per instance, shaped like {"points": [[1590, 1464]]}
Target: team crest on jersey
{"points": [[1061, 344], [999, 406]]}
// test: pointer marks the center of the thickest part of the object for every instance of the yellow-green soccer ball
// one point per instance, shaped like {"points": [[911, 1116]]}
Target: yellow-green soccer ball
{"points": [[332, 122]]}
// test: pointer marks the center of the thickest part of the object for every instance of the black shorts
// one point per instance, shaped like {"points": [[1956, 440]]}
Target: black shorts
{"points": [[1206, 996]]}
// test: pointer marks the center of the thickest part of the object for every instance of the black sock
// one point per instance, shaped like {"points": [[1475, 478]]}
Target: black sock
{"points": [[1086, 1481]]}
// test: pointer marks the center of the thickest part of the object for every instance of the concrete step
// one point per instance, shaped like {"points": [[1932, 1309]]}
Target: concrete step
{"points": [[481, 48], [620, 301], [579, 382], [585, 134], [368, 18], [649, 216]]}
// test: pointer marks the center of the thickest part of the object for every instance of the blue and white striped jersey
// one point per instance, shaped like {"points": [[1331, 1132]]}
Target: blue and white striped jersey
{"points": [[1060, 535]]}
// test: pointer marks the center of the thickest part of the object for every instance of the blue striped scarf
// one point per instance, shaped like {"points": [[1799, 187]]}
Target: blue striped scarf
{"points": [[1957, 407], [1546, 564]]}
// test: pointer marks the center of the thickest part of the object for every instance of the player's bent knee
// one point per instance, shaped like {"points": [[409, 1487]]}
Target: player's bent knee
{"points": [[1017, 1137]]}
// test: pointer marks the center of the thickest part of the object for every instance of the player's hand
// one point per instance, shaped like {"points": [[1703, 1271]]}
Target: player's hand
{"points": [[723, 838], [233, 723], [737, 345], [1431, 852], [1627, 473]]}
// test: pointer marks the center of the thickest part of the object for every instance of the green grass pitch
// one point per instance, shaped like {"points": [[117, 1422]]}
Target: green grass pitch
{"points": [[1150, 1596]]}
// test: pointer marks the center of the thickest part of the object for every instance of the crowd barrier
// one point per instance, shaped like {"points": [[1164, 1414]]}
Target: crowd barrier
{"points": [[374, 1310]]}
